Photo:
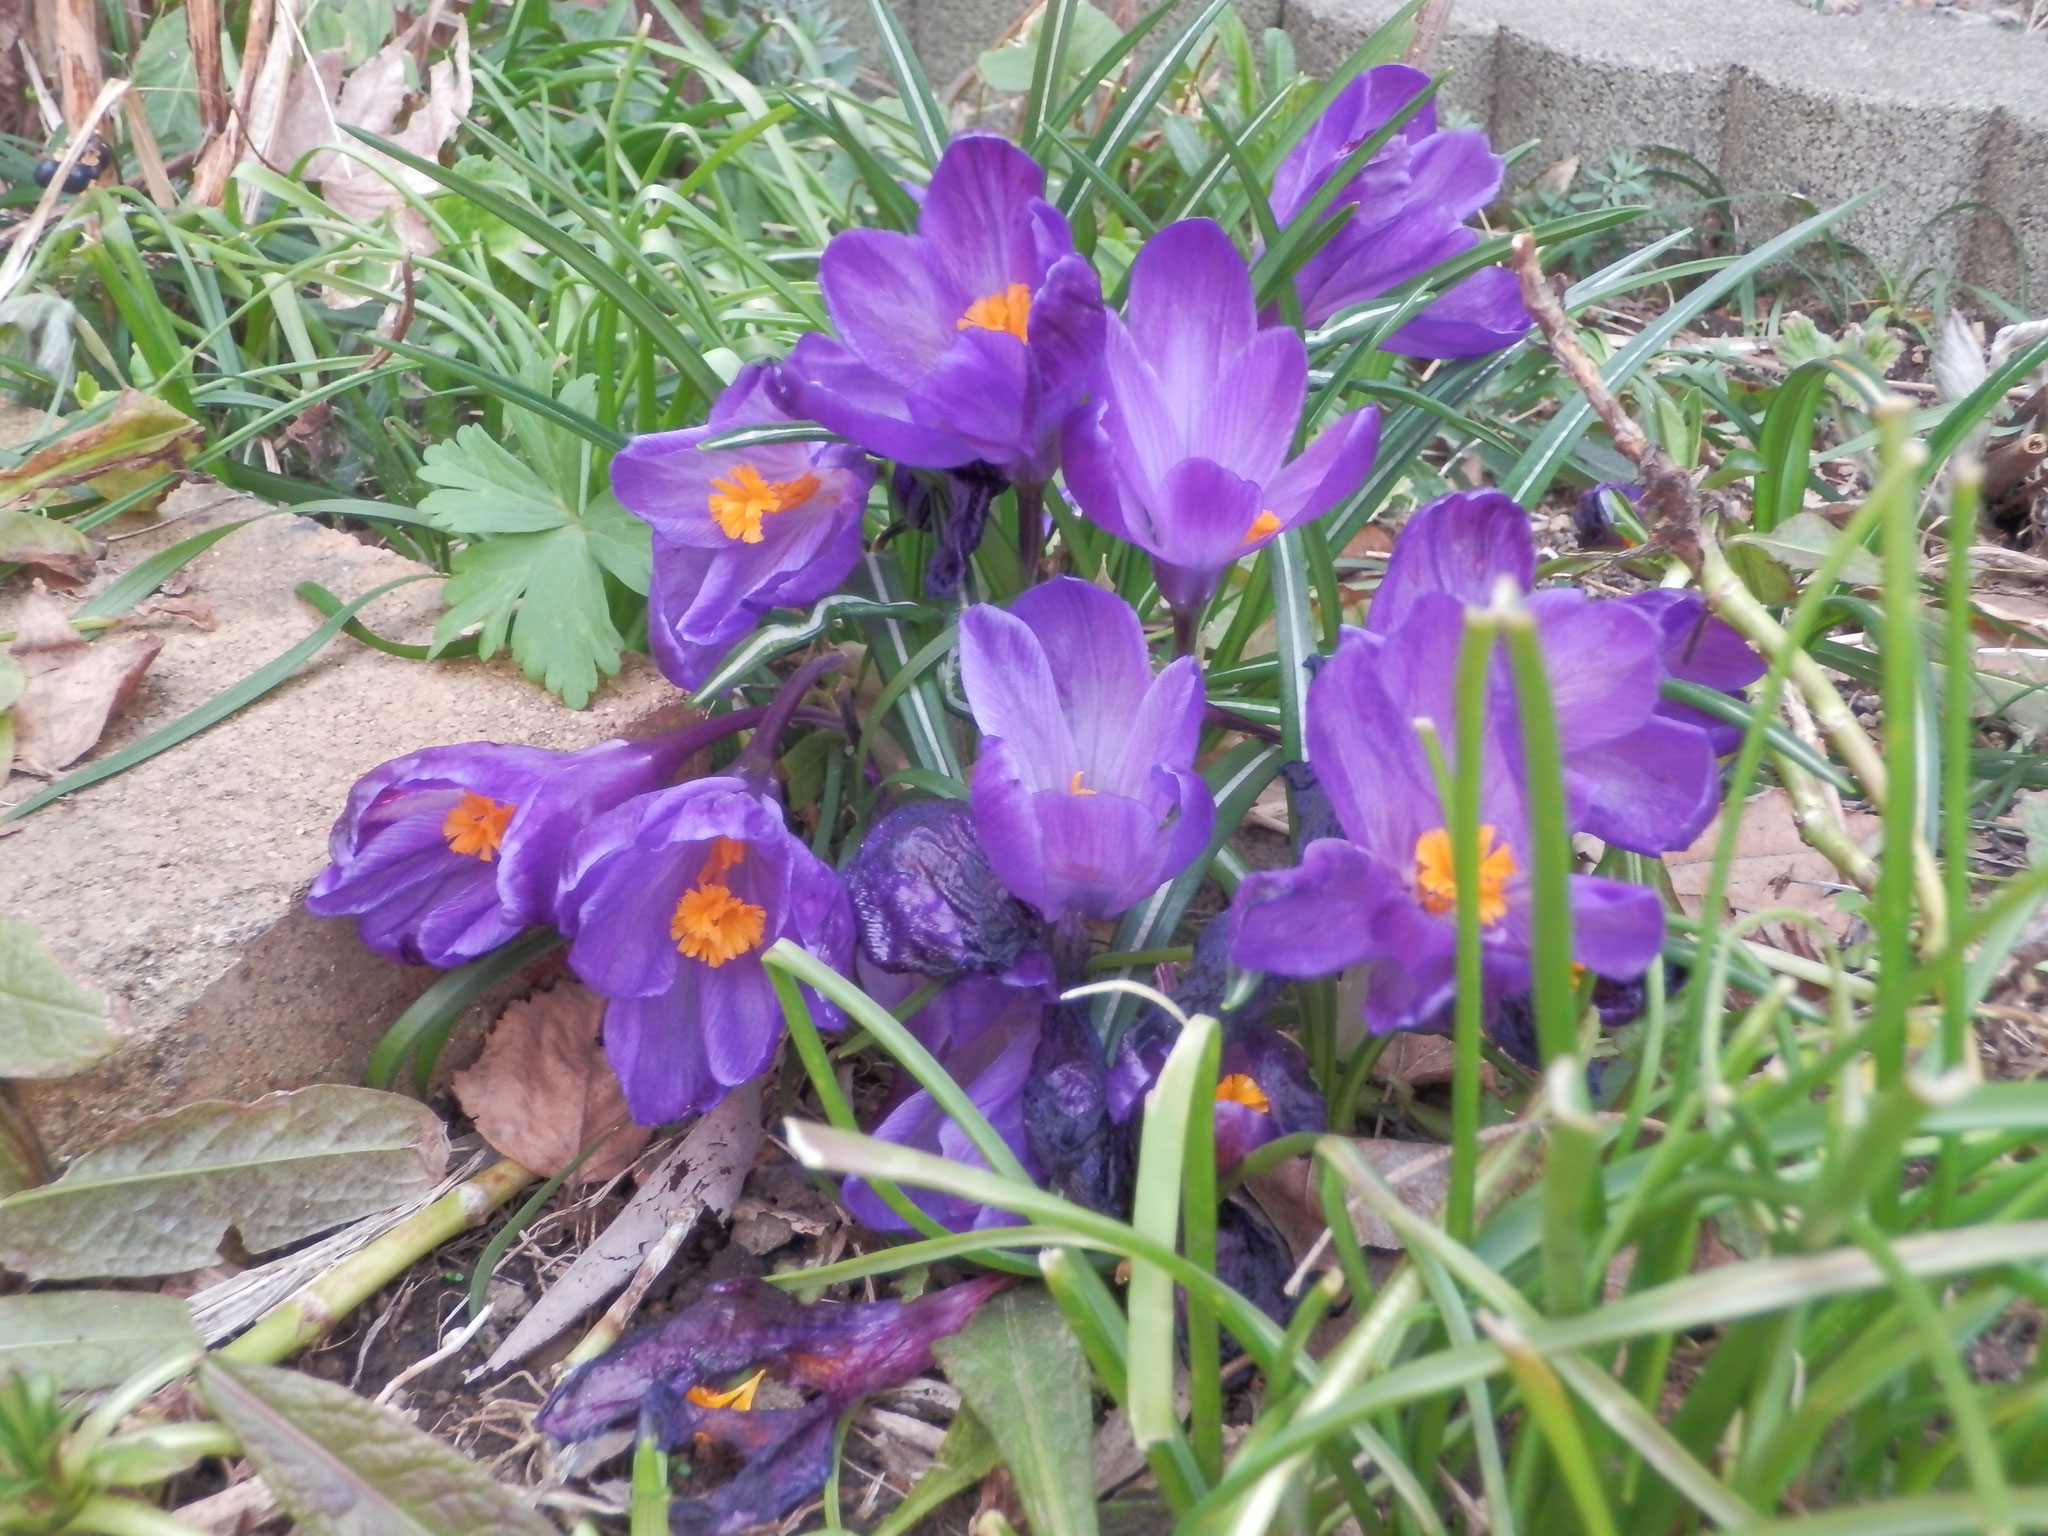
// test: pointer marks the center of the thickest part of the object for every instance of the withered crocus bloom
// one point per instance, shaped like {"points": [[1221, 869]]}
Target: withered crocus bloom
{"points": [[985, 1032], [738, 532], [837, 1353], [1067, 1124], [1085, 795], [926, 899]]}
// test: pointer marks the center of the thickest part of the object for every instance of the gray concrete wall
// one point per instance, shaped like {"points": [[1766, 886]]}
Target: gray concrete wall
{"points": [[1788, 107]]}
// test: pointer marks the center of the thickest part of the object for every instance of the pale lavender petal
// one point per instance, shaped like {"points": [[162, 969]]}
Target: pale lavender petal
{"points": [[1190, 310], [1480, 314], [888, 302], [1312, 920], [978, 215], [1013, 694], [1330, 469], [1652, 791], [1095, 655], [836, 389], [1461, 544], [1617, 928], [1244, 416]]}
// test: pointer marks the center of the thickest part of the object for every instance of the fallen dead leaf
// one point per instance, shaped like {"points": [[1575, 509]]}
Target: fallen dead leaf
{"points": [[1417, 1171], [1772, 867], [1420, 1061], [73, 687], [542, 1089], [319, 106]]}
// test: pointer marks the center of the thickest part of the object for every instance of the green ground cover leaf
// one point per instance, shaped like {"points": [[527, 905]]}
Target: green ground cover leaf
{"points": [[51, 1024], [1022, 1372], [91, 1339], [345, 1467], [158, 1196]]}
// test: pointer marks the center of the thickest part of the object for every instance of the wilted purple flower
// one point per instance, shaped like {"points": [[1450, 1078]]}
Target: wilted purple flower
{"points": [[669, 900], [1264, 1088], [838, 1353], [1409, 204], [738, 532], [444, 855], [1067, 1123], [1085, 793], [1593, 514], [985, 1033], [1640, 773], [1388, 893], [952, 505], [1186, 454], [927, 900], [972, 339]]}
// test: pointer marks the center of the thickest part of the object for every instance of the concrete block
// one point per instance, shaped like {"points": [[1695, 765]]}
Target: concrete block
{"points": [[176, 886], [1772, 97]]}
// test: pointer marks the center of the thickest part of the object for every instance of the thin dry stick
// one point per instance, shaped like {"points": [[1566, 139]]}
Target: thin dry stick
{"points": [[202, 30], [79, 79], [26, 235], [148, 157], [224, 151]]}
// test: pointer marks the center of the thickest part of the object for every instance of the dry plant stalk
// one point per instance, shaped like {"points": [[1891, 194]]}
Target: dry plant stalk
{"points": [[223, 152], [79, 78]]}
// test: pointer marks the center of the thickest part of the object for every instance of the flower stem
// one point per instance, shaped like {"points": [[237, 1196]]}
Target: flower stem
{"points": [[304, 1317], [1031, 530], [756, 762]]}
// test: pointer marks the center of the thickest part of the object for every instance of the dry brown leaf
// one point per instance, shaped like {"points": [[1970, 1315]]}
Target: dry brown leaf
{"points": [[319, 106], [1773, 866], [1420, 1061], [542, 1089], [1417, 1171], [73, 687]]}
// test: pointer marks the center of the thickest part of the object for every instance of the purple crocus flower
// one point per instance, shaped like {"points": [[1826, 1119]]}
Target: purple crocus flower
{"points": [[1085, 793], [669, 1378], [1409, 204], [669, 900], [446, 854], [1264, 1088], [984, 1033], [1386, 892], [738, 532], [972, 339], [1699, 648], [1640, 772], [1186, 452]]}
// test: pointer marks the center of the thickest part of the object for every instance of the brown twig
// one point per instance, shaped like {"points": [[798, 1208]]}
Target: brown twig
{"points": [[1669, 504], [79, 79], [202, 31], [223, 152]]}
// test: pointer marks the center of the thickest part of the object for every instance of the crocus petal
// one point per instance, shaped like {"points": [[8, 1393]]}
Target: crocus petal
{"points": [[1165, 727], [1005, 814], [978, 214], [892, 307], [1011, 689], [834, 387], [982, 390], [1415, 979], [1652, 791], [741, 1021], [1094, 848], [656, 1047], [1191, 309], [1068, 324], [1147, 438], [1328, 470], [1312, 920], [1602, 662], [1461, 544], [1481, 314], [1201, 523], [1244, 416], [1456, 168], [1617, 928], [1088, 462], [1095, 657]]}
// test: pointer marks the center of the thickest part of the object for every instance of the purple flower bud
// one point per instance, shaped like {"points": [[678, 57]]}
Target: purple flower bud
{"points": [[926, 899], [1593, 518]]}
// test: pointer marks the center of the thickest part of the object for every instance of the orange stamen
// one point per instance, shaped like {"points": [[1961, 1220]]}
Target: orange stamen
{"points": [[710, 923], [740, 500], [1242, 1088], [725, 853], [1009, 310], [740, 1398], [1266, 522], [1436, 881], [477, 826], [1074, 787]]}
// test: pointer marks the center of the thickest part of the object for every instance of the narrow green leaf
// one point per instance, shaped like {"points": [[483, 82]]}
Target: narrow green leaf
{"points": [[965, 1457], [211, 713], [773, 640], [920, 106], [1021, 1371]]}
